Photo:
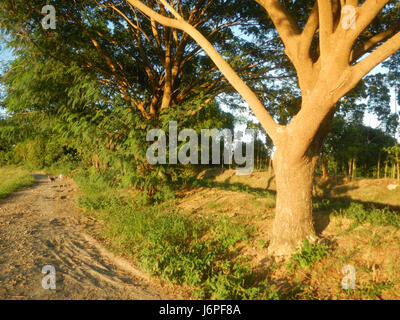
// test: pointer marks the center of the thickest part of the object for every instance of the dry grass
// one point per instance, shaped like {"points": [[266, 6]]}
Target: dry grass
{"points": [[373, 250], [368, 190]]}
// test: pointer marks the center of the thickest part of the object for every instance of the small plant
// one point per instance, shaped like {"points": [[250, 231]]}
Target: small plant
{"points": [[308, 255], [261, 244]]}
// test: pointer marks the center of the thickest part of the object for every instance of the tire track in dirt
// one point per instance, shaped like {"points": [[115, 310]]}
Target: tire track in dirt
{"points": [[39, 226]]}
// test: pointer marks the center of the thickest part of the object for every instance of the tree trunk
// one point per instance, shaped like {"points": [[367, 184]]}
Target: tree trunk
{"points": [[397, 164], [324, 167], [378, 172], [270, 166], [293, 219], [354, 169], [386, 166], [294, 176], [350, 165], [336, 175]]}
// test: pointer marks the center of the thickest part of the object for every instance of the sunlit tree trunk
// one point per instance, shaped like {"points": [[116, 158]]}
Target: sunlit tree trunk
{"points": [[397, 163], [324, 167], [378, 172], [386, 167], [354, 169]]}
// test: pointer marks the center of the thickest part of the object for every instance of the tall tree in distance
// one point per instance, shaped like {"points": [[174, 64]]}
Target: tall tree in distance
{"points": [[339, 43]]}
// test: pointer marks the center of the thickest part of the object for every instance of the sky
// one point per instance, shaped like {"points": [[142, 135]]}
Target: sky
{"points": [[5, 56], [370, 119]]}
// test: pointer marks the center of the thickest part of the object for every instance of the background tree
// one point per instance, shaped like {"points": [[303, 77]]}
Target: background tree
{"points": [[352, 149], [393, 154]]}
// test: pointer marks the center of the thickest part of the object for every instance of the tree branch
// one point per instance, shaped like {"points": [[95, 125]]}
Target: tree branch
{"points": [[373, 42], [376, 57], [366, 13], [248, 95], [309, 31], [284, 24], [325, 12]]}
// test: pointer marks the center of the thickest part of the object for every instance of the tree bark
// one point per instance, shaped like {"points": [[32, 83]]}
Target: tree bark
{"points": [[324, 167], [378, 173], [294, 176], [294, 218], [354, 169]]}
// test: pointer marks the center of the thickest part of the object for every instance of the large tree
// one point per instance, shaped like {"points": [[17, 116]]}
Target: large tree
{"points": [[111, 73], [339, 43], [152, 67]]}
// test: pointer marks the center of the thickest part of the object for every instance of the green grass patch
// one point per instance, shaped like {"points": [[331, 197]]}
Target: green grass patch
{"points": [[308, 255], [199, 252], [13, 179], [359, 212], [370, 290]]}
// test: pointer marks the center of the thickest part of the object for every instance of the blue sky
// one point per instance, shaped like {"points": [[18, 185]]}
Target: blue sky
{"points": [[5, 54]]}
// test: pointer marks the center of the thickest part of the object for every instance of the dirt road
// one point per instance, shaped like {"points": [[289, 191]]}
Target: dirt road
{"points": [[39, 227]]}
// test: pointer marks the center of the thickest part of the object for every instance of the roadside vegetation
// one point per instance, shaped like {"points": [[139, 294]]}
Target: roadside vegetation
{"points": [[197, 252], [13, 179], [216, 249]]}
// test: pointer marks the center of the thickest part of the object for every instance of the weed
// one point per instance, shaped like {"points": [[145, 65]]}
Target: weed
{"points": [[261, 244], [308, 255], [371, 290]]}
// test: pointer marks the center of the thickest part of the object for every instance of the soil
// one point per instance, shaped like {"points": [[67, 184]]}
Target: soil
{"points": [[40, 226]]}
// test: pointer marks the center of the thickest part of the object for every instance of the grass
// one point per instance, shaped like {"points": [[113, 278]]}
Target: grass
{"points": [[359, 212], [370, 290], [240, 187], [13, 179], [200, 253], [213, 255]]}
